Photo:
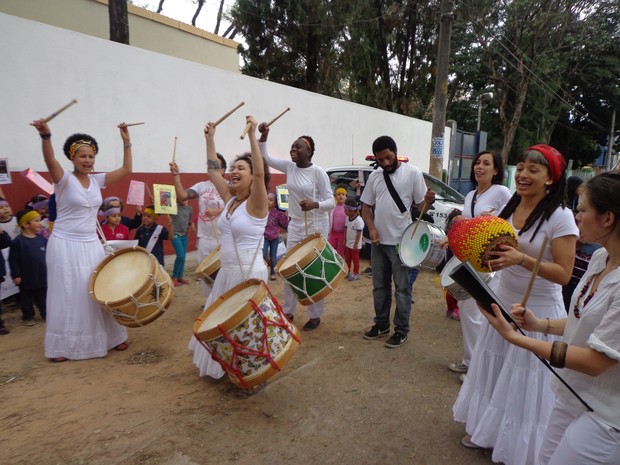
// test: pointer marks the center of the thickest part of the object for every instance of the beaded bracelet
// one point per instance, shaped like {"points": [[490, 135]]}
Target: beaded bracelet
{"points": [[557, 358]]}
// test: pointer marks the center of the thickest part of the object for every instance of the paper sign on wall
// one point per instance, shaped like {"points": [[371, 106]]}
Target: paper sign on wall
{"points": [[5, 174], [165, 198]]}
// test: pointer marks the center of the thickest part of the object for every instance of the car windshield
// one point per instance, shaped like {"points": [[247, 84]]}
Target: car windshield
{"points": [[442, 190]]}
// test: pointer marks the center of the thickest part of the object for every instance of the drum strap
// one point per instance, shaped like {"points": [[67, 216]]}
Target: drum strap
{"points": [[154, 238], [393, 193]]}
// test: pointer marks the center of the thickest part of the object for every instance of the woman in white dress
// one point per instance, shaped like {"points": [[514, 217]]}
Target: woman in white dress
{"points": [[310, 201], [77, 327], [590, 349], [241, 228], [505, 401], [489, 197]]}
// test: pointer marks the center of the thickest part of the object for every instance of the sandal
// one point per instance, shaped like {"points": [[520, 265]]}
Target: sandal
{"points": [[58, 359], [122, 346], [245, 393]]}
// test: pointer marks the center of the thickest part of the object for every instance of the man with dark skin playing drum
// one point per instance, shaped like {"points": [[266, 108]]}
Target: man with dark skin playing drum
{"points": [[386, 223]]}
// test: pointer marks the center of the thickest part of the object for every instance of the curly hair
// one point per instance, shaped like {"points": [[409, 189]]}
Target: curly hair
{"points": [[310, 142], [75, 138]]}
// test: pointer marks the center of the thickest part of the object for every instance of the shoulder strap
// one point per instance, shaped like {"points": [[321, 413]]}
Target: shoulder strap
{"points": [[154, 238], [393, 193]]}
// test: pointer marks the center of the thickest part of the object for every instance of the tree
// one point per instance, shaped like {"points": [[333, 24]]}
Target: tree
{"points": [[198, 8], [119, 21]]}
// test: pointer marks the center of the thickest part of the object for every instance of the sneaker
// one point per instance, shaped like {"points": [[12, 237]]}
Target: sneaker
{"points": [[4, 330], [466, 441], [30, 323], [458, 367], [183, 281], [312, 323], [454, 314], [396, 340], [354, 277], [375, 333], [367, 271], [272, 277]]}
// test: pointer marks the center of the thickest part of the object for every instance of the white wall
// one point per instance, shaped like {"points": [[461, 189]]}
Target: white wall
{"points": [[44, 67]]}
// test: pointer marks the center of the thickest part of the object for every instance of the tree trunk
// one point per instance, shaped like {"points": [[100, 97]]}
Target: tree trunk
{"points": [[119, 21], [219, 18], [509, 127], [160, 6], [200, 5]]}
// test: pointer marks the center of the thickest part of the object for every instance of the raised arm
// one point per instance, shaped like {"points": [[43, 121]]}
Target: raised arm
{"points": [[53, 166], [127, 167], [257, 205], [178, 186], [213, 163]]}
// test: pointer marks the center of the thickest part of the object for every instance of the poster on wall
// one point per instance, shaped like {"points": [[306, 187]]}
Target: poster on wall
{"points": [[165, 198], [38, 180], [5, 174], [135, 195]]}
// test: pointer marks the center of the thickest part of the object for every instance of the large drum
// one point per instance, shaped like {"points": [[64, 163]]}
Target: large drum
{"points": [[312, 268], [247, 333], [451, 286], [209, 267], [422, 249], [132, 285]]}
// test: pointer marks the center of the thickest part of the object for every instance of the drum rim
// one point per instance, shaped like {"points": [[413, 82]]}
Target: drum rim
{"points": [[140, 290], [432, 245], [235, 319], [306, 260], [212, 254]]}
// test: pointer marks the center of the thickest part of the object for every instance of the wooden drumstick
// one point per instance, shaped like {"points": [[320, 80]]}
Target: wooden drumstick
{"points": [[174, 151], [148, 192], [246, 129], [415, 228], [228, 114], [277, 117], [534, 272], [58, 112], [134, 124]]}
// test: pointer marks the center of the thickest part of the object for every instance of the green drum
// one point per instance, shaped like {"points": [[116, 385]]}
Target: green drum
{"points": [[312, 268]]}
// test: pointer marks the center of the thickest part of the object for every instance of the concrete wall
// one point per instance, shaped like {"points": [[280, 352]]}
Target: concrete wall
{"points": [[147, 30]]}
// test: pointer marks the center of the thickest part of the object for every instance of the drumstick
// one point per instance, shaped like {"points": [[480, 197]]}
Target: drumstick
{"points": [[148, 192], [534, 271], [228, 114], [134, 124], [174, 151], [306, 221], [277, 117], [246, 129], [58, 112], [415, 228]]}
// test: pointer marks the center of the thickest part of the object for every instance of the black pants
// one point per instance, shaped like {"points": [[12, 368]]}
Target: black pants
{"points": [[31, 297]]}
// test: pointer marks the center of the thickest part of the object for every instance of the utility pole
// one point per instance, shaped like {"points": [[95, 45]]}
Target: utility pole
{"points": [[441, 89], [610, 142]]}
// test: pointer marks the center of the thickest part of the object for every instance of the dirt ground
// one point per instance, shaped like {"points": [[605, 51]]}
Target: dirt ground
{"points": [[340, 399]]}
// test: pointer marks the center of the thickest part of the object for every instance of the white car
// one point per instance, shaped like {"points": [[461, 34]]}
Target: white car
{"points": [[446, 198]]}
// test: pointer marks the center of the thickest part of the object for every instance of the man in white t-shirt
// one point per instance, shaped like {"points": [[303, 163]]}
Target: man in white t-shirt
{"points": [[210, 206], [386, 225]]}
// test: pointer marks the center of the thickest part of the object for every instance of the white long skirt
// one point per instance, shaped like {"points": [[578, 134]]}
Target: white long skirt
{"points": [[230, 275], [77, 328]]}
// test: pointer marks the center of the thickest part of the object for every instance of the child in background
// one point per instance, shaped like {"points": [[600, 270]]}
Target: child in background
{"points": [[354, 227], [112, 228], [115, 202], [5, 241], [40, 203], [276, 220], [337, 220], [151, 235], [8, 223], [28, 267], [181, 224]]}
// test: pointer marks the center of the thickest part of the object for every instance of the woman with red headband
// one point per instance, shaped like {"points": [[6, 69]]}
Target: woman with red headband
{"points": [[76, 327], [505, 400]]}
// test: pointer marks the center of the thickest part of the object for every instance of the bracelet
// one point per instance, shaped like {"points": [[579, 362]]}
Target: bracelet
{"points": [[46, 136], [548, 327], [127, 145], [557, 358], [522, 259]]}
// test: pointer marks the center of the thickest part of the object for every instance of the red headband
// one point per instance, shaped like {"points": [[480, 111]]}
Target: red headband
{"points": [[554, 158]]}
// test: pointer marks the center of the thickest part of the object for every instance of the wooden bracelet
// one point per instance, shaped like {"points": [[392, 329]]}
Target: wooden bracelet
{"points": [[557, 358]]}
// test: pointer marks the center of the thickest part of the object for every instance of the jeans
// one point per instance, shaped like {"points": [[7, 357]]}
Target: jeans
{"points": [[180, 247], [270, 246], [386, 265]]}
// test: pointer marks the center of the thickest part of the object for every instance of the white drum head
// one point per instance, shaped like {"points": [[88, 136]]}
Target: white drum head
{"points": [[122, 276], [228, 307], [301, 252], [413, 250], [445, 279]]}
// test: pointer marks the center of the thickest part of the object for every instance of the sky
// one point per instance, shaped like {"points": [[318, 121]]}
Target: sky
{"points": [[183, 10]]}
